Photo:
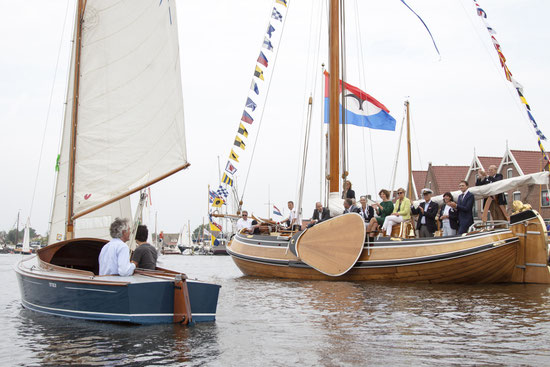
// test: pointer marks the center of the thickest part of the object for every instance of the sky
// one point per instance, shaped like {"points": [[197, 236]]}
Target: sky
{"points": [[460, 101]]}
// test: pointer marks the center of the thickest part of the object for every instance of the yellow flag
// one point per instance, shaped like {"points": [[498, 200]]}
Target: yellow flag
{"points": [[217, 203], [233, 156], [259, 73]]}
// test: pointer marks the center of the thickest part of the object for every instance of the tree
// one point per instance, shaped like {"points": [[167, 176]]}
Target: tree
{"points": [[12, 235], [197, 233]]}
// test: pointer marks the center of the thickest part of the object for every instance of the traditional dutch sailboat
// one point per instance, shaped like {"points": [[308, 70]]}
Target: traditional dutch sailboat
{"points": [[123, 131], [336, 249]]}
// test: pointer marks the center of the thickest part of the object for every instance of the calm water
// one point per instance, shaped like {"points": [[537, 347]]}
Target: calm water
{"points": [[262, 322]]}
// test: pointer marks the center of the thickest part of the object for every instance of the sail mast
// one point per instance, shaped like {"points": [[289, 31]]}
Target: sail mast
{"points": [[72, 149], [410, 187], [334, 127]]}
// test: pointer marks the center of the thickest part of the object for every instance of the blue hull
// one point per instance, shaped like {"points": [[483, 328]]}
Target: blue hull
{"points": [[139, 303]]}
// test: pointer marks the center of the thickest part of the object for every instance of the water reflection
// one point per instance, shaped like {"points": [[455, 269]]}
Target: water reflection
{"points": [[59, 341]]}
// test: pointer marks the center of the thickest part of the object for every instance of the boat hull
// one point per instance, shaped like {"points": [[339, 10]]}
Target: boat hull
{"points": [[139, 303], [482, 258]]}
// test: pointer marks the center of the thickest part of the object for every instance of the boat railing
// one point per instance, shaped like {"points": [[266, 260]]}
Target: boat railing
{"points": [[484, 226]]}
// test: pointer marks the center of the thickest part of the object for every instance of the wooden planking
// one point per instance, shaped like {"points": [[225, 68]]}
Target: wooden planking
{"points": [[494, 265], [333, 246]]}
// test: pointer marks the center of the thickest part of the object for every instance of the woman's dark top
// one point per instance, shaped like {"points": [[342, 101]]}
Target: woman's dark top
{"points": [[350, 194]]}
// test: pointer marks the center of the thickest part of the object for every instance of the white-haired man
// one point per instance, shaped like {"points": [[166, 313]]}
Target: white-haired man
{"points": [[114, 258]]}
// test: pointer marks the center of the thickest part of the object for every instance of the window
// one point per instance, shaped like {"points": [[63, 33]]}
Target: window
{"points": [[509, 173], [506, 196], [545, 199], [517, 195], [476, 207]]}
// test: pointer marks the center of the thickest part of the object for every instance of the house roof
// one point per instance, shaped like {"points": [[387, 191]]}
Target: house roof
{"points": [[529, 161], [488, 161], [448, 177], [419, 179]]}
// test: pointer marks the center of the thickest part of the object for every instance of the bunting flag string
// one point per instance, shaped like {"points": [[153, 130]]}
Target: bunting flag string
{"points": [[508, 74], [262, 71], [430, 33]]}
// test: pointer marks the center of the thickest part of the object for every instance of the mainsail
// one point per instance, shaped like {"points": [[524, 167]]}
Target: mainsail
{"points": [[130, 125]]}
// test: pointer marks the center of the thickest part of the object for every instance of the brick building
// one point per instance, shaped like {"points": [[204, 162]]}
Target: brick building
{"points": [[513, 163]]}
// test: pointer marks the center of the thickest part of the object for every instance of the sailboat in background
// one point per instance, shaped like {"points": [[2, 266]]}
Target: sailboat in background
{"points": [[123, 131], [335, 249], [26, 249]]}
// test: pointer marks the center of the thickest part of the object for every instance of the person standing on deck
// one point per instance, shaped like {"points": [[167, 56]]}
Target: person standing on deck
{"points": [[145, 256], [427, 211], [464, 206], [114, 258]]}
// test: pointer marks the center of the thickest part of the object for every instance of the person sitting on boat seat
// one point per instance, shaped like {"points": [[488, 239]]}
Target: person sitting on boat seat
{"points": [[383, 209], [350, 207], [319, 214], [402, 213], [365, 210], [246, 224], [145, 256], [427, 211], [114, 258], [293, 221]]}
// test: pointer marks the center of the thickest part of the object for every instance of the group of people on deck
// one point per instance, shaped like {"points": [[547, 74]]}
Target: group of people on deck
{"points": [[455, 217]]}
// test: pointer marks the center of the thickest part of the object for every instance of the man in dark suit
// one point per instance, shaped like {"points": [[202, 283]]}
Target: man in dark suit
{"points": [[427, 211], [349, 207], [319, 214], [464, 205], [490, 177]]}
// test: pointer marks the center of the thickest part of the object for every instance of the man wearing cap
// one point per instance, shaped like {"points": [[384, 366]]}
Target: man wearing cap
{"points": [[427, 211]]}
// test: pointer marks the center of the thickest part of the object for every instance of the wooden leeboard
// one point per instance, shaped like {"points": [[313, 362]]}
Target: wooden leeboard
{"points": [[333, 246]]}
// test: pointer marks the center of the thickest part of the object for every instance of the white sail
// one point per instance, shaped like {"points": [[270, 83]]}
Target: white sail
{"points": [[27, 238], [130, 127], [184, 237]]}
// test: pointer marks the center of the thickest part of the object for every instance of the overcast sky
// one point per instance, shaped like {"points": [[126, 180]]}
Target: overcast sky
{"points": [[459, 102]]}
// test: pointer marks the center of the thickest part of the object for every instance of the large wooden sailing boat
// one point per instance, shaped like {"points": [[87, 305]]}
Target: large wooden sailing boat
{"points": [[336, 249], [123, 131]]}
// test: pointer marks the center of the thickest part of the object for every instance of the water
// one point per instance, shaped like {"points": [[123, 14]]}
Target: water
{"points": [[267, 322]]}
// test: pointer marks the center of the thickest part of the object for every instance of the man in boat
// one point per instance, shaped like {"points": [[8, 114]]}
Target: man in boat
{"points": [[293, 222], [350, 207], [464, 206], [366, 211], [246, 224], [427, 211], [145, 256], [114, 258], [319, 214], [490, 177]]}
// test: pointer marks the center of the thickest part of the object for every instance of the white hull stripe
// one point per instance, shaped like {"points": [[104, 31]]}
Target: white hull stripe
{"points": [[90, 289], [111, 314]]}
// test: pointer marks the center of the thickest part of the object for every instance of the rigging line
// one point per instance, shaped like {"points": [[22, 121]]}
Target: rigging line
{"points": [[309, 81], [498, 68], [416, 143], [394, 169], [364, 80], [265, 99], [49, 108]]}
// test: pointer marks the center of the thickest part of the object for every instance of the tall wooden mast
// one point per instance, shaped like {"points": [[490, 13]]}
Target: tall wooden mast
{"points": [[334, 128], [72, 149], [410, 187]]}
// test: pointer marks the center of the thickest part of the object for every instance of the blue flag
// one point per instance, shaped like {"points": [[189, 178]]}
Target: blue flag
{"points": [[254, 87], [250, 104], [270, 30]]}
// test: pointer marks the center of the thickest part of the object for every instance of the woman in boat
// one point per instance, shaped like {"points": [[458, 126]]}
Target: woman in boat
{"points": [[348, 193], [383, 209], [448, 216], [401, 214]]}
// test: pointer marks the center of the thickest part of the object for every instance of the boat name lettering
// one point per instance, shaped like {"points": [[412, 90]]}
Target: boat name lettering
{"points": [[53, 285]]}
